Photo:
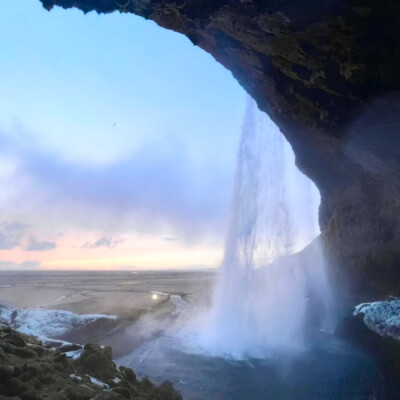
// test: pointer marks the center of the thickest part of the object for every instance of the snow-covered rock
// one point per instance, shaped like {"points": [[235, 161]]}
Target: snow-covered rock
{"points": [[382, 317], [44, 323], [98, 383]]}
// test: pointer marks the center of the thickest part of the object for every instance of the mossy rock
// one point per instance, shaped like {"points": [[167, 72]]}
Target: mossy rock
{"points": [[31, 371]]}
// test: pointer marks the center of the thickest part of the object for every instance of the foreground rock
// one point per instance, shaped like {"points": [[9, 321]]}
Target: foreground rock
{"points": [[375, 328], [31, 371], [382, 317]]}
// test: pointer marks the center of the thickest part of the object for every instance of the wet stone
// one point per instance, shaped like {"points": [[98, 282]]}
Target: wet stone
{"points": [[32, 368], [46, 378], [37, 349], [97, 361], [130, 375], [14, 387], [23, 352], [124, 392], [69, 347], [167, 391], [30, 395], [15, 340], [6, 371], [26, 376], [146, 383], [79, 392], [109, 395]]}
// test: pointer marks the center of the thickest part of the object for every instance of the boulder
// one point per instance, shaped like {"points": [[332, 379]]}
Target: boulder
{"points": [[96, 360]]}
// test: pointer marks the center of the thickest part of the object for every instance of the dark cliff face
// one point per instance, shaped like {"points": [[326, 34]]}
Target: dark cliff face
{"points": [[328, 73]]}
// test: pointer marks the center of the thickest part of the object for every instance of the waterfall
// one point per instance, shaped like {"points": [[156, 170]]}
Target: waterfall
{"points": [[263, 291]]}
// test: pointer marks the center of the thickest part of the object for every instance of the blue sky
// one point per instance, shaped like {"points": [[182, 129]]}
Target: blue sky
{"points": [[112, 130], [118, 143]]}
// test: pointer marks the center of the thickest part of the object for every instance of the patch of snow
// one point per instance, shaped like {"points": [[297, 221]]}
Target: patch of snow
{"points": [[51, 323], [44, 323], [98, 383], [382, 317], [74, 354], [116, 380], [72, 376], [54, 343], [5, 312]]}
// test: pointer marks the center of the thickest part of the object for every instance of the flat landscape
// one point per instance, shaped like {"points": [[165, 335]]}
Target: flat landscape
{"points": [[127, 295], [119, 293]]}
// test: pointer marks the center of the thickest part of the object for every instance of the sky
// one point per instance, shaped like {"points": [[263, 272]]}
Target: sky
{"points": [[118, 142]]}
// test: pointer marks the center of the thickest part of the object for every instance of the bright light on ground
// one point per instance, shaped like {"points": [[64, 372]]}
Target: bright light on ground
{"points": [[154, 296]]}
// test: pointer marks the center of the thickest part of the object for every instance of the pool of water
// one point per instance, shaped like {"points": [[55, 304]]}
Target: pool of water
{"points": [[330, 370]]}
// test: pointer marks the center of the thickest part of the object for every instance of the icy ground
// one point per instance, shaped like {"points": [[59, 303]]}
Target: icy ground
{"points": [[43, 323]]}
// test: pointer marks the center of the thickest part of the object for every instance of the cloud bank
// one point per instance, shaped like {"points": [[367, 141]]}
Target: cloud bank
{"points": [[23, 266], [165, 187], [35, 245], [104, 242], [11, 234], [14, 234]]}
